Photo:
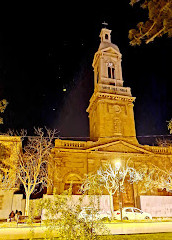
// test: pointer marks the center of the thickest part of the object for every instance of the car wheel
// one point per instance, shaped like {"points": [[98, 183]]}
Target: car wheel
{"points": [[125, 218], [147, 217]]}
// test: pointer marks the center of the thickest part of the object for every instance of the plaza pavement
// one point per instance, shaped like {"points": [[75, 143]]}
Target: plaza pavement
{"points": [[24, 232], [139, 227]]}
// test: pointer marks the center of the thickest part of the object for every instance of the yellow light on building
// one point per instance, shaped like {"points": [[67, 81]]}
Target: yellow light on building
{"points": [[118, 164]]}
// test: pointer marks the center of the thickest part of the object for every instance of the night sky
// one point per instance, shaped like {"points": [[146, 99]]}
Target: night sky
{"points": [[45, 49]]}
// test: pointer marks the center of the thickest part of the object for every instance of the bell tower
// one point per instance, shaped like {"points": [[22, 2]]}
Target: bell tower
{"points": [[111, 105]]}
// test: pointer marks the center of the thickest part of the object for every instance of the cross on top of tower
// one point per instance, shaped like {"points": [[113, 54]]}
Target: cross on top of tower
{"points": [[105, 24]]}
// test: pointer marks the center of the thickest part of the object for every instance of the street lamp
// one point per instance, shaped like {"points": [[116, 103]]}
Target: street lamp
{"points": [[118, 166]]}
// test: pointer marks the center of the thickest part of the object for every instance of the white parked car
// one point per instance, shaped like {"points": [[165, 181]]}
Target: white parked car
{"points": [[90, 214], [131, 213]]}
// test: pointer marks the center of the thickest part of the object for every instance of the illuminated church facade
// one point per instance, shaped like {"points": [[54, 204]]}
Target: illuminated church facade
{"points": [[112, 131]]}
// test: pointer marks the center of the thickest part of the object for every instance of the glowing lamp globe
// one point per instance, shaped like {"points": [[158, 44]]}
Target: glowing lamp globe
{"points": [[117, 165]]}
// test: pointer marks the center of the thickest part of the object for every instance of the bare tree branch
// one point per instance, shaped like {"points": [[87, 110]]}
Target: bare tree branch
{"points": [[33, 161]]}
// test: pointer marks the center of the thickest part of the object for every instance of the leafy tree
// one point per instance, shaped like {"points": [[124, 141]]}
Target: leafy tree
{"points": [[170, 126], [9, 148], [4, 168], [3, 105], [62, 218], [159, 21], [166, 142]]}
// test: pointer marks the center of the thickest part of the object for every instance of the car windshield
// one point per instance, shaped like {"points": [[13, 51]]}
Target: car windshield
{"points": [[137, 210], [128, 210]]}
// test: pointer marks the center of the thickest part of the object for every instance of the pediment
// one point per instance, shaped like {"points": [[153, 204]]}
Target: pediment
{"points": [[120, 146], [107, 50], [110, 50]]}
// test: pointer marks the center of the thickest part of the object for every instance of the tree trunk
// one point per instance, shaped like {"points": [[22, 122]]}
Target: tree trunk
{"points": [[27, 204], [111, 204]]}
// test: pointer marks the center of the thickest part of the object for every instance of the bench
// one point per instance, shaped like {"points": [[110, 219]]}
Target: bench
{"points": [[37, 219], [3, 220], [24, 219]]}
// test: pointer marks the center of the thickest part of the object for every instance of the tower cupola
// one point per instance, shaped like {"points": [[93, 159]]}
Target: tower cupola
{"points": [[105, 35]]}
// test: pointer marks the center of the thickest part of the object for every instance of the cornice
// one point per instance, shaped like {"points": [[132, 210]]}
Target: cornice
{"points": [[106, 96], [66, 146]]}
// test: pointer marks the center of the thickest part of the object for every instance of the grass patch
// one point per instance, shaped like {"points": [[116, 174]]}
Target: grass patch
{"points": [[156, 236], [153, 236]]}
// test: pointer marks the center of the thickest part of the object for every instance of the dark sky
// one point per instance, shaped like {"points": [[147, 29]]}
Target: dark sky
{"points": [[47, 48]]}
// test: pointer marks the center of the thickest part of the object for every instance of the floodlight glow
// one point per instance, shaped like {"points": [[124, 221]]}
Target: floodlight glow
{"points": [[117, 165]]}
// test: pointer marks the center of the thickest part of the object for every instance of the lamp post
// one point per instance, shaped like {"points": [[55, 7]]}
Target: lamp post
{"points": [[117, 166]]}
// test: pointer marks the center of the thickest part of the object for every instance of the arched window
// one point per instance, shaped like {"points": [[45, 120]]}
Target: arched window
{"points": [[75, 181]]}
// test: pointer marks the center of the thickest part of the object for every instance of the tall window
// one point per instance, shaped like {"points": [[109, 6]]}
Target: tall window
{"points": [[111, 72]]}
